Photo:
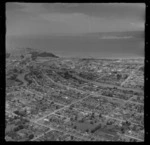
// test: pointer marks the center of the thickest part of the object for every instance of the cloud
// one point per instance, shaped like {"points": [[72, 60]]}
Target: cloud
{"points": [[69, 24], [68, 4], [62, 17], [36, 18], [91, 23], [31, 7], [138, 25], [116, 37]]}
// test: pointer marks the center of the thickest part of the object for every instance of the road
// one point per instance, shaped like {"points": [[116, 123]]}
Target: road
{"points": [[131, 74], [107, 85], [68, 132], [79, 100], [92, 93]]}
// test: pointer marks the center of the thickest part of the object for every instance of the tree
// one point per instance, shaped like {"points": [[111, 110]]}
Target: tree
{"points": [[87, 130], [16, 129], [118, 76], [100, 115], [92, 115], [20, 127], [75, 118], [22, 56], [109, 122], [122, 130], [71, 137], [91, 122], [17, 112], [75, 127], [31, 136]]}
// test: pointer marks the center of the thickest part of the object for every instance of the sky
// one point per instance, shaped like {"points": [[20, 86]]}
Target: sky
{"points": [[76, 20]]}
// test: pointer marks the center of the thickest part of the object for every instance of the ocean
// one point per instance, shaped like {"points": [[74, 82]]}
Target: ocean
{"points": [[80, 46]]}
